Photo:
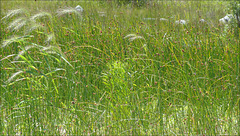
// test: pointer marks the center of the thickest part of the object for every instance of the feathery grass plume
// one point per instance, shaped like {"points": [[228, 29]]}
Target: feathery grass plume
{"points": [[133, 37], [15, 39], [69, 10], [30, 22], [55, 50], [51, 52], [55, 71], [50, 38], [7, 57], [163, 19], [33, 27], [130, 35], [17, 24], [149, 18], [52, 48], [23, 51], [136, 37], [13, 76], [12, 13], [41, 15]]}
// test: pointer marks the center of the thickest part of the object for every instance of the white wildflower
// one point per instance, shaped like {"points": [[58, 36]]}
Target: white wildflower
{"points": [[226, 19], [183, 22], [79, 8], [202, 20], [222, 20]]}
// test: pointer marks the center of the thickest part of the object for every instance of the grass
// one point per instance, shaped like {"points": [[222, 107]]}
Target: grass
{"points": [[112, 71]]}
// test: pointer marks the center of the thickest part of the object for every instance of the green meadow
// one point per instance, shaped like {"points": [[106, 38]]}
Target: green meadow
{"points": [[118, 70]]}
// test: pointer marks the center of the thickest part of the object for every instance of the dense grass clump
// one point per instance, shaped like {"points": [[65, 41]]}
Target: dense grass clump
{"points": [[167, 68]]}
